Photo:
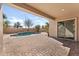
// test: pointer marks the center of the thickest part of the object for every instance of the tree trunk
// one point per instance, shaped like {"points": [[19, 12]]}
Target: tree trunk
{"points": [[28, 29]]}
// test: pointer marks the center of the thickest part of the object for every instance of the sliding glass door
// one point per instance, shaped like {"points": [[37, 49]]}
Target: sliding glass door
{"points": [[66, 29], [61, 29]]}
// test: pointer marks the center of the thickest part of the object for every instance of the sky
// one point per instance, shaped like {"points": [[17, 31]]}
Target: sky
{"points": [[14, 15]]}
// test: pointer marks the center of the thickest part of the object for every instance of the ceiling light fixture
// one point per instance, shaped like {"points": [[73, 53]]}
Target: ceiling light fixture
{"points": [[62, 9]]}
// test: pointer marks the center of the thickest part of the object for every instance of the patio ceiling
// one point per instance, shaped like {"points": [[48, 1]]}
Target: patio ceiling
{"points": [[53, 10], [34, 10]]}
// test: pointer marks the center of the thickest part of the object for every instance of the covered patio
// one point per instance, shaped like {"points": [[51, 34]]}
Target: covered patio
{"points": [[63, 21]]}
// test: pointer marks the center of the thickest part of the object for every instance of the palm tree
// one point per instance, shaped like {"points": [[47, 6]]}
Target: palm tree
{"points": [[37, 27], [17, 25], [28, 23]]}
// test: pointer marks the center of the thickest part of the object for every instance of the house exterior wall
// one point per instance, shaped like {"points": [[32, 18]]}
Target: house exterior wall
{"points": [[1, 30]]}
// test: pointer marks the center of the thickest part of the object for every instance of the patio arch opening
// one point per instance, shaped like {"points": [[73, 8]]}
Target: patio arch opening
{"points": [[26, 11]]}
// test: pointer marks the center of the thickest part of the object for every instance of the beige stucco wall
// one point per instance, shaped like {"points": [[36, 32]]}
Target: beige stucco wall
{"points": [[52, 28], [1, 30]]}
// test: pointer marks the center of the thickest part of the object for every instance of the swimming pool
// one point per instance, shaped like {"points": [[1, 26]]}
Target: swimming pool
{"points": [[24, 33]]}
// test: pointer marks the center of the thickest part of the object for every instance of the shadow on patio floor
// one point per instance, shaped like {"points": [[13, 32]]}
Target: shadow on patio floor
{"points": [[74, 46]]}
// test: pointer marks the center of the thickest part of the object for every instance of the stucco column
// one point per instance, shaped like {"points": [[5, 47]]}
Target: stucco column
{"points": [[1, 30], [52, 28]]}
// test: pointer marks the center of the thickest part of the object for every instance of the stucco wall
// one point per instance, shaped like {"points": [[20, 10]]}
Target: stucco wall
{"points": [[1, 31], [52, 28]]}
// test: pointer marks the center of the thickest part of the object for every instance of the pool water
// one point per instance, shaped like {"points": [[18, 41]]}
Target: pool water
{"points": [[25, 33]]}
